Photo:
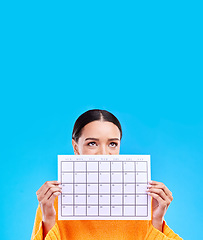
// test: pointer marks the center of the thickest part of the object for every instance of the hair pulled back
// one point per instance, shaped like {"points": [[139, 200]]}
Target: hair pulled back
{"points": [[90, 116]]}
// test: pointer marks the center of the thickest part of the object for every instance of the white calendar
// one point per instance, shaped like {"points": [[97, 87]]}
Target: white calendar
{"points": [[108, 187]]}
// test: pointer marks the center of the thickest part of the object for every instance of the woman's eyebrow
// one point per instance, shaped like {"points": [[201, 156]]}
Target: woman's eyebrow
{"points": [[96, 139], [113, 139]]}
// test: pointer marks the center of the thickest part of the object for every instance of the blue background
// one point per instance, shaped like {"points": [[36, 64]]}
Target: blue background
{"points": [[141, 60]]}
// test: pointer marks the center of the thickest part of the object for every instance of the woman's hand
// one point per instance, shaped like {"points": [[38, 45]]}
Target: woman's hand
{"points": [[161, 199], [46, 196]]}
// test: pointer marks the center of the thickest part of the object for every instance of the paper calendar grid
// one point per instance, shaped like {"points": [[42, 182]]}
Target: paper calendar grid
{"points": [[104, 187]]}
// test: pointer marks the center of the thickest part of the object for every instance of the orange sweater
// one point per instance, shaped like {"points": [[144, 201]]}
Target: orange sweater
{"points": [[100, 229]]}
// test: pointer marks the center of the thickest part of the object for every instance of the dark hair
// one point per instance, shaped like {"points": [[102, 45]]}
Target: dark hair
{"points": [[90, 116]]}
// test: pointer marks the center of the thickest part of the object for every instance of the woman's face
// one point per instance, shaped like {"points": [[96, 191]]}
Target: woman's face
{"points": [[98, 138]]}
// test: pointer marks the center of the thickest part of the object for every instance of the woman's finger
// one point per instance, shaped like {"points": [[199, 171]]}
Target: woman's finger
{"points": [[52, 188], [52, 192], [45, 192], [53, 196], [161, 202], [161, 193], [160, 185], [46, 186]]}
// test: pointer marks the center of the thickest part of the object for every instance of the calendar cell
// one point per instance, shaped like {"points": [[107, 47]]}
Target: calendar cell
{"points": [[104, 199], [116, 210], [67, 166], [129, 188], [92, 166], [80, 166], [129, 211], [141, 166], [92, 199], [104, 177], [141, 188], [141, 199], [80, 199], [92, 188], [67, 188], [104, 210], [129, 166], [67, 199], [92, 211], [67, 177], [141, 177], [116, 177], [116, 188], [80, 177], [129, 177], [116, 166], [116, 199], [80, 188], [141, 211], [67, 210], [92, 177], [104, 167], [80, 210], [129, 199], [104, 188]]}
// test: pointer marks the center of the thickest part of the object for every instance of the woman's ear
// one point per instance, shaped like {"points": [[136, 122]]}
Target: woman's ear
{"points": [[75, 147]]}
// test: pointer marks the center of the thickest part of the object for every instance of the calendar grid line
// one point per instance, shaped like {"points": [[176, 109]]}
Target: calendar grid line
{"points": [[110, 189], [96, 194], [98, 188], [61, 198], [73, 190], [86, 189], [105, 204], [122, 189], [102, 171], [147, 183], [135, 187], [106, 183]]}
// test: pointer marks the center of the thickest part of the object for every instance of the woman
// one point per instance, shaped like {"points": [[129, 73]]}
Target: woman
{"points": [[99, 132]]}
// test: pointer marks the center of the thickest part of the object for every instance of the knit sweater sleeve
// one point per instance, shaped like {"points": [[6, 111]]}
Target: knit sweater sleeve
{"points": [[167, 233], [37, 233]]}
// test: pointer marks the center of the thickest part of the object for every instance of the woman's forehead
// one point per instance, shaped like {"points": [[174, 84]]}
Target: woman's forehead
{"points": [[98, 129]]}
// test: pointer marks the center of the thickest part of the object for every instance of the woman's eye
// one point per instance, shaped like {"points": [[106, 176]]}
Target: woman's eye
{"points": [[113, 144], [91, 144]]}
